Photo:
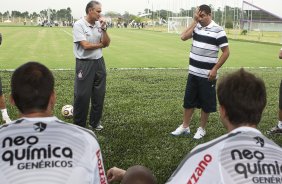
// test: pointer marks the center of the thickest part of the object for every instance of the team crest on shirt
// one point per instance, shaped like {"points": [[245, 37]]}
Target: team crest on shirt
{"points": [[39, 127], [259, 141], [80, 74]]}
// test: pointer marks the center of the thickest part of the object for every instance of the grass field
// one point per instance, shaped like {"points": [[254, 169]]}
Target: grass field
{"points": [[142, 106], [130, 48]]}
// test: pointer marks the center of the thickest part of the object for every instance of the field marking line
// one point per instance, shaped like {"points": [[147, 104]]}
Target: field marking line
{"points": [[69, 69], [67, 33]]}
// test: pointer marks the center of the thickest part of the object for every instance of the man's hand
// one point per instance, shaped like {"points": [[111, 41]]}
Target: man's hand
{"points": [[115, 174], [197, 14], [103, 23], [212, 74]]}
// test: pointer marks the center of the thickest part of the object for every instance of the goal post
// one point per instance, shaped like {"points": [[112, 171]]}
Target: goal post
{"points": [[178, 24]]}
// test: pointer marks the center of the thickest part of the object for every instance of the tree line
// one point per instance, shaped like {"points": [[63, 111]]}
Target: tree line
{"points": [[55, 15], [228, 17]]}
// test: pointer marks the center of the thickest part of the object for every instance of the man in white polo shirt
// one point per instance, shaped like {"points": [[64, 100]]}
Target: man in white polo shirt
{"points": [[208, 38], [89, 37]]}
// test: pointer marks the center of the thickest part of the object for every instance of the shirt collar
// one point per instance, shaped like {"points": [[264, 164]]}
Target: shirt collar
{"points": [[246, 129], [50, 118], [211, 24], [90, 25]]}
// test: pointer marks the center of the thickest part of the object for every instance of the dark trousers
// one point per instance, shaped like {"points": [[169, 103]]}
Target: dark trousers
{"points": [[89, 86], [280, 96]]}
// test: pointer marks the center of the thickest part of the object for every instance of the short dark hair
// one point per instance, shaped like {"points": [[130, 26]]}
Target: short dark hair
{"points": [[139, 175], [91, 4], [31, 86], [205, 8], [243, 95]]}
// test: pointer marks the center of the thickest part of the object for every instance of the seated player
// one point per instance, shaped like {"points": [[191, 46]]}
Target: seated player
{"points": [[39, 148], [134, 175]]}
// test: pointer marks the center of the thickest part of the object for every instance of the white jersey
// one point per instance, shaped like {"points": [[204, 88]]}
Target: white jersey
{"points": [[49, 151], [244, 156]]}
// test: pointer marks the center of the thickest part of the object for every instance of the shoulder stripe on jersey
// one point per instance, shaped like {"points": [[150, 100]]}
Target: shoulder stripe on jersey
{"points": [[200, 150], [15, 122]]}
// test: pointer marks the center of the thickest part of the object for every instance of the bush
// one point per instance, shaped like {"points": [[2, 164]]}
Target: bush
{"points": [[244, 32]]}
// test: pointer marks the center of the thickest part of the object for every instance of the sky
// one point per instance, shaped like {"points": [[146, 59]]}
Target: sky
{"points": [[131, 6]]}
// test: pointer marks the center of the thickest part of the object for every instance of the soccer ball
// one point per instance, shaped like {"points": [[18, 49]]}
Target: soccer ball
{"points": [[67, 111]]}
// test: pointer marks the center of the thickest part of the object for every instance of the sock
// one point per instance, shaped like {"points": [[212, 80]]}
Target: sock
{"points": [[279, 124], [4, 113]]}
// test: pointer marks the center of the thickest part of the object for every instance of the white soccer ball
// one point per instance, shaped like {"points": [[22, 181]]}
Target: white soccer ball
{"points": [[67, 111]]}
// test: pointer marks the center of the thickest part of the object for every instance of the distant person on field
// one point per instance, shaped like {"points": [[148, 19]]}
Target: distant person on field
{"points": [[3, 109], [38, 148], [89, 37], [208, 38], [244, 155], [278, 129], [134, 175]]}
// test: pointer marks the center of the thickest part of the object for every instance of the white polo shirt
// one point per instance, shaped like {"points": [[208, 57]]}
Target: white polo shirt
{"points": [[82, 30]]}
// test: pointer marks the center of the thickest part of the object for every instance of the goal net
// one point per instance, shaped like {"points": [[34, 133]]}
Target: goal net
{"points": [[178, 24]]}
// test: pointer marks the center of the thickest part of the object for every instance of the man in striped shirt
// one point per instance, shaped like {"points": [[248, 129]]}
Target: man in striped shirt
{"points": [[208, 38]]}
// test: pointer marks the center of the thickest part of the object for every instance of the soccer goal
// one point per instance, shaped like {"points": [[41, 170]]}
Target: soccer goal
{"points": [[178, 24]]}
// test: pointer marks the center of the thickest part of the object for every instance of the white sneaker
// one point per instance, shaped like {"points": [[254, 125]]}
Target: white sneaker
{"points": [[200, 133], [99, 127], [180, 130]]}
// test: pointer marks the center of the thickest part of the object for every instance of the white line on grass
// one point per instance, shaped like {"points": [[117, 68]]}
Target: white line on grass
{"points": [[69, 69], [67, 33]]}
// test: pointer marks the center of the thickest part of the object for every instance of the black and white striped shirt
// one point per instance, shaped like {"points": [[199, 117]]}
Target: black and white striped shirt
{"points": [[205, 47]]}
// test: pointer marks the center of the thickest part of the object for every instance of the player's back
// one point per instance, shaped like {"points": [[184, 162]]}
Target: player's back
{"points": [[47, 150], [242, 156]]}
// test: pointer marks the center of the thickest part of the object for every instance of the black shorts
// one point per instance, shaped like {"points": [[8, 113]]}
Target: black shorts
{"points": [[280, 96], [200, 93]]}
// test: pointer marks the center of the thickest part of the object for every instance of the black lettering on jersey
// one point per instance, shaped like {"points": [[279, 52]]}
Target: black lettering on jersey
{"points": [[30, 152], [254, 163]]}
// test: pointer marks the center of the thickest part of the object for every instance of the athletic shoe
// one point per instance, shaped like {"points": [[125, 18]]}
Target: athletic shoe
{"points": [[275, 130], [181, 130], [200, 133], [99, 127]]}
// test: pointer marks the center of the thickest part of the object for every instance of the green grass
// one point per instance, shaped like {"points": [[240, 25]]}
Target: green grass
{"points": [[130, 48], [142, 106]]}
